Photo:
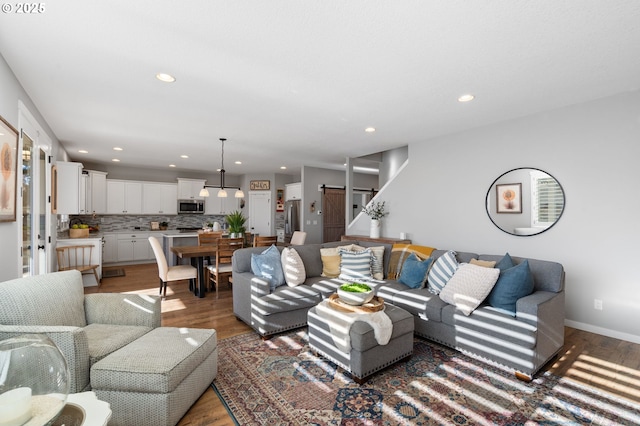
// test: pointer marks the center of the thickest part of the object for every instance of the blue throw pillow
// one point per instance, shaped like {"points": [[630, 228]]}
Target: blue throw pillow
{"points": [[414, 271], [513, 283], [505, 263], [268, 265]]}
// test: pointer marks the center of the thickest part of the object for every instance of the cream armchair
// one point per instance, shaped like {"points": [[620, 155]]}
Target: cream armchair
{"points": [[85, 328]]}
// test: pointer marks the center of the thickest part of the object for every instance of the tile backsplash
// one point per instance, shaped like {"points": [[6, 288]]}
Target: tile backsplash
{"points": [[116, 223]]}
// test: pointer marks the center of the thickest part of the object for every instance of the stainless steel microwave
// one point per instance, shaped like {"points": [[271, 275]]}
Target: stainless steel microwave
{"points": [[190, 207]]}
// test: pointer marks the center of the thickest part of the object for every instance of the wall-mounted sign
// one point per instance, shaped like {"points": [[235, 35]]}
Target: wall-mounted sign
{"points": [[259, 185]]}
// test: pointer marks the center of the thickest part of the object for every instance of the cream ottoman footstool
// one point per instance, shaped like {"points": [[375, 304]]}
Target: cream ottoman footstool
{"points": [[155, 379]]}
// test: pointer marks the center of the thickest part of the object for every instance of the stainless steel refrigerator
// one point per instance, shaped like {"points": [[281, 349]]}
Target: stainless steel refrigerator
{"points": [[292, 218]]}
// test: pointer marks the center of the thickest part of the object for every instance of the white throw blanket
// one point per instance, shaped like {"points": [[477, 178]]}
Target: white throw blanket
{"points": [[340, 324]]}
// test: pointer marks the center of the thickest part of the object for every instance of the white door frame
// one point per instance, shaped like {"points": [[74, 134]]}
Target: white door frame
{"points": [[41, 141]]}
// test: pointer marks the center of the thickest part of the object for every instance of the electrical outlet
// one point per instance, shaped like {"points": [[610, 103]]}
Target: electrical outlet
{"points": [[597, 304]]}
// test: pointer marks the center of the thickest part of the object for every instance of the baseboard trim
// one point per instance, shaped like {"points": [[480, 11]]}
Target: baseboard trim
{"points": [[603, 331]]}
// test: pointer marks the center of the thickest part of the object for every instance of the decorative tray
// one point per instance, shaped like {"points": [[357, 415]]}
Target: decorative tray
{"points": [[376, 304]]}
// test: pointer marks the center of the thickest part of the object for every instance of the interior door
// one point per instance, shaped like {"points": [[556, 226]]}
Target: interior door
{"points": [[260, 212], [333, 215], [35, 220]]}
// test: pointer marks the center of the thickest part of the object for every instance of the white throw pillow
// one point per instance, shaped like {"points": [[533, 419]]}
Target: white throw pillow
{"points": [[293, 267], [469, 286]]}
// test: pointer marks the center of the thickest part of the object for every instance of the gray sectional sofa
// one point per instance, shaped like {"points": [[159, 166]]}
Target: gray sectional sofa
{"points": [[523, 343]]}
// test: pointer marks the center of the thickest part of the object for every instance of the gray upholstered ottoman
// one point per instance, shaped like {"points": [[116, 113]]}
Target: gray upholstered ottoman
{"points": [[366, 356], [155, 379]]}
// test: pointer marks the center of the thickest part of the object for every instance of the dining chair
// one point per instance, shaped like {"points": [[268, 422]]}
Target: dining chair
{"points": [[78, 258], [298, 238], [209, 239], [224, 252], [265, 241], [171, 273]]}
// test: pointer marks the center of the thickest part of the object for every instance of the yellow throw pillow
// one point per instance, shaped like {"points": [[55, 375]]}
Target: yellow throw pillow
{"points": [[330, 262], [400, 252], [485, 263]]}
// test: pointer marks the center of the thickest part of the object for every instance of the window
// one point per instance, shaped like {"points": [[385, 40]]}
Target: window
{"points": [[547, 199]]}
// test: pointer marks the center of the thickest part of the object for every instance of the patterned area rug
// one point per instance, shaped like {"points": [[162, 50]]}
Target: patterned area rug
{"points": [[280, 382]]}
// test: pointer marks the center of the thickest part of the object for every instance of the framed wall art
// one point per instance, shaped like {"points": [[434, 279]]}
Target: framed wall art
{"points": [[509, 198], [259, 185], [9, 167]]}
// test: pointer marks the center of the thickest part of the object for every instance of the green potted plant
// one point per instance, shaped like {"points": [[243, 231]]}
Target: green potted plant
{"points": [[236, 222], [376, 211]]}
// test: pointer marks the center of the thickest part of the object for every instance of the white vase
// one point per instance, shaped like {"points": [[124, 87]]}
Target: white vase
{"points": [[374, 231]]}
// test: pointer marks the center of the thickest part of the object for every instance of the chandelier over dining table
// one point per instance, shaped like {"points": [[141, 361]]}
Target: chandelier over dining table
{"points": [[222, 193]]}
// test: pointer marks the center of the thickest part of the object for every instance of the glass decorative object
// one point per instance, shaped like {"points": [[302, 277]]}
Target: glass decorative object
{"points": [[34, 381]]}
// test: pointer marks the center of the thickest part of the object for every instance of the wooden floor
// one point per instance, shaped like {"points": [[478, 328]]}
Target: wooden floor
{"points": [[605, 363]]}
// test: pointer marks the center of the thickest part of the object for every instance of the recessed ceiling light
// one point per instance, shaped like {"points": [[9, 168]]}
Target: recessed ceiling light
{"points": [[167, 78], [238, 162], [115, 160], [83, 151], [172, 165], [283, 167], [184, 156], [370, 129], [466, 98], [117, 148]]}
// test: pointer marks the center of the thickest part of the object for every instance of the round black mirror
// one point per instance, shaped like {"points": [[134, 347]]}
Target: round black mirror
{"points": [[525, 201]]}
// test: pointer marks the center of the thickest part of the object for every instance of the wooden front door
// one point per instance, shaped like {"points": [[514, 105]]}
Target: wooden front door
{"points": [[333, 204]]}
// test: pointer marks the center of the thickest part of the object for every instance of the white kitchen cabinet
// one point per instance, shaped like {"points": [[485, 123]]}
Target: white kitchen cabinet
{"points": [[293, 191], [220, 205], [83, 199], [189, 189], [124, 197], [110, 252], [159, 198], [134, 246], [68, 188], [96, 192]]}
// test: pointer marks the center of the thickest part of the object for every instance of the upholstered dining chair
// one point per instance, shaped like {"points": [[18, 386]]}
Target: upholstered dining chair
{"points": [[224, 252], [173, 273], [298, 238], [267, 240]]}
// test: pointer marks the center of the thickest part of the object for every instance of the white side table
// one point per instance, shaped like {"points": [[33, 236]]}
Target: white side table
{"points": [[84, 409]]}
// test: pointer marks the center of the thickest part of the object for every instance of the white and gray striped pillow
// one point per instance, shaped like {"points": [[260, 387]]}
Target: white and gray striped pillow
{"points": [[355, 265], [442, 271]]}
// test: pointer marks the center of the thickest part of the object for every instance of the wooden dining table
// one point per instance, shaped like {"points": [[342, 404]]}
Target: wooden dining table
{"points": [[196, 254]]}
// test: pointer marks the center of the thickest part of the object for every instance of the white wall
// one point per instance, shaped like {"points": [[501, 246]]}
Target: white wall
{"points": [[592, 149]]}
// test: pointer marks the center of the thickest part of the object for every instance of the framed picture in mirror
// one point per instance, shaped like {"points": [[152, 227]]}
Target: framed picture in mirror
{"points": [[509, 198]]}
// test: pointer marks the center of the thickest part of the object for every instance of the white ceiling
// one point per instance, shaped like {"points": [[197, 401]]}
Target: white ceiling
{"points": [[296, 82]]}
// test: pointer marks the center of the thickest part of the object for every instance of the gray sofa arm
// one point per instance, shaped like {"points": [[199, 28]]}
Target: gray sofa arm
{"points": [[72, 342], [545, 310], [260, 287], [123, 309]]}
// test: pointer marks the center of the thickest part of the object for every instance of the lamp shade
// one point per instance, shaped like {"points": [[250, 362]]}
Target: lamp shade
{"points": [[239, 193], [204, 192], [34, 380], [222, 193]]}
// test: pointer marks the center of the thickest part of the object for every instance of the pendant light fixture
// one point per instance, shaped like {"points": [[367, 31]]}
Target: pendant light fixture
{"points": [[222, 193]]}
